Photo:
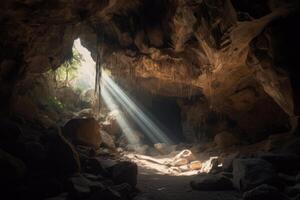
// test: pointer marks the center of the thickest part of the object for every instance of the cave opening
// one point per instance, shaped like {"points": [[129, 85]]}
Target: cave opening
{"points": [[149, 99]]}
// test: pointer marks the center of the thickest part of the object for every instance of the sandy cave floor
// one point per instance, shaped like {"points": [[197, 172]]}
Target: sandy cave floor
{"points": [[165, 187], [157, 182]]}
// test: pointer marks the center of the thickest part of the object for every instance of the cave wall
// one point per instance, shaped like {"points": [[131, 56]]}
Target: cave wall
{"points": [[231, 54]]}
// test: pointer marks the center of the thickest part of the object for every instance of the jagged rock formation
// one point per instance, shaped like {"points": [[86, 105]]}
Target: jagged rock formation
{"points": [[223, 53]]}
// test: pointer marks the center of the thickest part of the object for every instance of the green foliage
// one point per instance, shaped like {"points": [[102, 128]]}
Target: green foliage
{"points": [[68, 70], [55, 104]]}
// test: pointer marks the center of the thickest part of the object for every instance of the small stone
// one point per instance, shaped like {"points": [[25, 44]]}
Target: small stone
{"points": [[187, 154], [195, 165]]}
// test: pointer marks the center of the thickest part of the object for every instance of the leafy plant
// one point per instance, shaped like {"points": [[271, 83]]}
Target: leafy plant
{"points": [[67, 72], [55, 104]]}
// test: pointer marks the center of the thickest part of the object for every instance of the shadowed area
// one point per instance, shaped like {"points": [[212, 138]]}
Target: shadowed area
{"points": [[149, 99]]}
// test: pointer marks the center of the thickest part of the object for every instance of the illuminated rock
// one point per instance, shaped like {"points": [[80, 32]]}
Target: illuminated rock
{"points": [[195, 165], [83, 131]]}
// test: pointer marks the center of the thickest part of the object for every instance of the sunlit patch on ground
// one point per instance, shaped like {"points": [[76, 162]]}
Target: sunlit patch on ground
{"points": [[172, 165]]}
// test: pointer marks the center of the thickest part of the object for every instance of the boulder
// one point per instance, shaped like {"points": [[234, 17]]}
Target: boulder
{"points": [[210, 182], [83, 131], [125, 172], [40, 186], [111, 122], [296, 197], [249, 173], [276, 141], [292, 147], [107, 140], [264, 192], [81, 187], [287, 179], [285, 163], [62, 159], [225, 139], [92, 166], [228, 161], [35, 155], [10, 134], [293, 190], [12, 169]]}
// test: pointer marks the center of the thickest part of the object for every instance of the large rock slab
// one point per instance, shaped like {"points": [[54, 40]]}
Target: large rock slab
{"points": [[209, 182], [62, 159], [283, 162], [249, 173], [125, 172], [12, 169], [264, 192]]}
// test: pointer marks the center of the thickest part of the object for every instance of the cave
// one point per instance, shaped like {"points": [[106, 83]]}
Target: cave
{"points": [[149, 99]]}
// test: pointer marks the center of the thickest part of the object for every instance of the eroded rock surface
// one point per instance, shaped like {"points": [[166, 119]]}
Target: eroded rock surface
{"points": [[221, 53]]}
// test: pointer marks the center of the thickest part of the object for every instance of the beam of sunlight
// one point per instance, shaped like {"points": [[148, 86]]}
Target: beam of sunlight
{"points": [[121, 120], [138, 115]]}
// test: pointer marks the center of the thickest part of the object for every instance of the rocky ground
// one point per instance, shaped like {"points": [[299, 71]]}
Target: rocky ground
{"points": [[54, 165], [156, 186]]}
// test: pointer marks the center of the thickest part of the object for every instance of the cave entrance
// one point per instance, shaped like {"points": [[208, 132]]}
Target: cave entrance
{"points": [[158, 118], [81, 67]]}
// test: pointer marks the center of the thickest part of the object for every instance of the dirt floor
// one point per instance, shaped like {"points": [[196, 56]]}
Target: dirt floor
{"points": [[165, 187]]}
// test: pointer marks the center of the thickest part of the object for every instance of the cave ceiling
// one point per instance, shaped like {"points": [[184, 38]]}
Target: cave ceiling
{"points": [[221, 49]]}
